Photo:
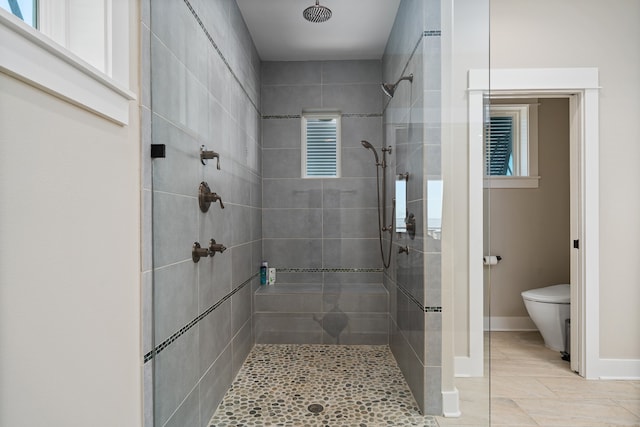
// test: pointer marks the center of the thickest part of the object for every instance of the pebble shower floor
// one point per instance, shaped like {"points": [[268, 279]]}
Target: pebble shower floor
{"points": [[358, 386]]}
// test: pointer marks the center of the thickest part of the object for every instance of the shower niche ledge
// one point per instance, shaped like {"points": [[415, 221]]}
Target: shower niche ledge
{"points": [[347, 314]]}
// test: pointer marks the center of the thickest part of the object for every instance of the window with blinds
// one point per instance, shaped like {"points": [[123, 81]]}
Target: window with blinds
{"points": [[506, 141], [499, 146], [321, 145]]}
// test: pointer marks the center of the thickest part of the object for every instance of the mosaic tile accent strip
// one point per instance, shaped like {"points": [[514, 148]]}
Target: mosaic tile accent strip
{"points": [[297, 116], [426, 309], [215, 46], [432, 33], [358, 386], [150, 355], [329, 270]]}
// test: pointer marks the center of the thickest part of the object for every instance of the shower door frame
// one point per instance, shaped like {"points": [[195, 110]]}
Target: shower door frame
{"points": [[580, 85]]}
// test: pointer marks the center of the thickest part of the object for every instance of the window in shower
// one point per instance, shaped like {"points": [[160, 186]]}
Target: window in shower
{"points": [[321, 145]]}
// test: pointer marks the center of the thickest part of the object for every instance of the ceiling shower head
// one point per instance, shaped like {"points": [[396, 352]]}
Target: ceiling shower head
{"points": [[390, 88], [317, 13], [368, 146]]}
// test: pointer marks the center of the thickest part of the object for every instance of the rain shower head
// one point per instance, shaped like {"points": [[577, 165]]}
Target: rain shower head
{"points": [[367, 145], [390, 88], [317, 13]]}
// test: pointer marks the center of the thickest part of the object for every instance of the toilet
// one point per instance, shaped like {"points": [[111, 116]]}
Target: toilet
{"points": [[549, 308]]}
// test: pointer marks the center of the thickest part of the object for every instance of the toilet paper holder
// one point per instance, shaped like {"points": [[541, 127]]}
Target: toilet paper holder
{"points": [[491, 259]]}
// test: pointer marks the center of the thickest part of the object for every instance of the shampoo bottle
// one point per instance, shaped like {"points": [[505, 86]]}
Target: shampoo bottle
{"points": [[264, 268]]}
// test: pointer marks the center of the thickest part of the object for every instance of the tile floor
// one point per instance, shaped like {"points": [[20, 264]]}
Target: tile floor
{"points": [[358, 386], [532, 386]]}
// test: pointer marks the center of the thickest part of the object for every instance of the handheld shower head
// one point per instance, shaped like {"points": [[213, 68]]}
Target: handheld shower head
{"points": [[367, 145], [390, 88]]}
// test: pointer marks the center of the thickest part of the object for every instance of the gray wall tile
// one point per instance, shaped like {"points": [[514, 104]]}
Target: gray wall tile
{"points": [[286, 100], [361, 329], [188, 413], [352, 98], [282, 163], [177, 370], [175, 227], [352, 278], [350, 193], [214, 278], [357, 162], [242, 344], [432, 400], [355, 129], [175, 298], [147, 391], [292, 193], [299, 278], [284, 328], [291, 73], [214, 384], [301, 302], [411, 324], [350, 223], [288, 223], [214, 335], [352, 71], [241, 263], [241, 309], [293, 253], [351, 253], [285, 133], [348, 300], [182, 154]]}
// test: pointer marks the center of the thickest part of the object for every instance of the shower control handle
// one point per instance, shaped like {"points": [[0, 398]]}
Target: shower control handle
{"points": [[198, 252], [206, 197], [216, 247], [208, 155], [404, 249]]}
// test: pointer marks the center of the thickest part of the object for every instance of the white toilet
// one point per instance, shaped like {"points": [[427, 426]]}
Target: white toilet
{"points": [[549, 308]]}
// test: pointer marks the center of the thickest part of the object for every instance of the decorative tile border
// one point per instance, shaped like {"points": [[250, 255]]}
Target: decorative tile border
{"points": [[329, 270], [297, 116], [426, 309], [215, 46], [153, 353]]}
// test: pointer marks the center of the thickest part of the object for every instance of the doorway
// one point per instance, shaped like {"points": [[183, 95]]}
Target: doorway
{"points": [[580, 86]]}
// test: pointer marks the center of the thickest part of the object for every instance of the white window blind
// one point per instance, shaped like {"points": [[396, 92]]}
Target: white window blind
{"points": [[499, 146], [321, 140]]}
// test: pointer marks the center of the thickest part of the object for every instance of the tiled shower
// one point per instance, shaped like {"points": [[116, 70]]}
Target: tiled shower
{"points": [[204, 85]]}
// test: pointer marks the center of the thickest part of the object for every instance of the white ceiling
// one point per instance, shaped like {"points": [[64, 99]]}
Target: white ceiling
{"points": [[358, 29]]}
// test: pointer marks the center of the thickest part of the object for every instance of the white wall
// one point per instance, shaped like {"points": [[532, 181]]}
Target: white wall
{"points": [[592, 33], [69, 262], [577, 33]]}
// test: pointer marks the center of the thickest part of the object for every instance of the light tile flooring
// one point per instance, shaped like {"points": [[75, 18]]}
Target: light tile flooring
{"points": [[358, 386], [532, 386]]}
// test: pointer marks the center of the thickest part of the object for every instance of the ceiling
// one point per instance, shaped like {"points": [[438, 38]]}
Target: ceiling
{"points": [[358, 29]]}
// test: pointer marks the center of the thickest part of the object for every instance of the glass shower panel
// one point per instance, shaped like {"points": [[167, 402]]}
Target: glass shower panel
{"points": [[206, 199]]}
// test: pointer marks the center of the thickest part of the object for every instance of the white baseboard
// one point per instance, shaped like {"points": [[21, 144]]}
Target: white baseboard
{"points": [[450, 403], [503, 323], [465, 366], [619, 369]]}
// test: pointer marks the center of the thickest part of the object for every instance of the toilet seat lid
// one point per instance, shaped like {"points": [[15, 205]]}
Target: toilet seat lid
{"points": [[558, 294]]}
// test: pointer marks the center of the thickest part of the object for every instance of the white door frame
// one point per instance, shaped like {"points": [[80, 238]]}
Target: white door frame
{"points": [[581, 86]]}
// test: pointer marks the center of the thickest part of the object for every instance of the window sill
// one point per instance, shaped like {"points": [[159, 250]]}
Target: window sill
{"points": [[29, 55], [512, 182]]}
